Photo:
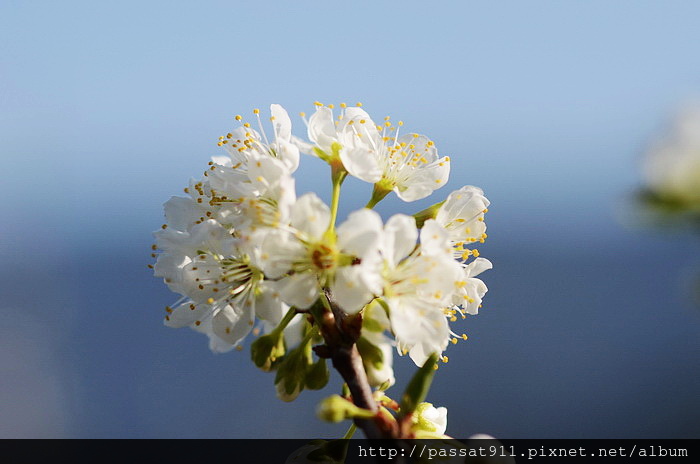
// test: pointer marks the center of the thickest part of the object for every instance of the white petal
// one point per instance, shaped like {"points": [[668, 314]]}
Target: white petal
{"points": [[360, 162], [311, 215], [289, 154], [478, 266], [434, 239], [304, 146], [438, 417], [280, 249], [424, 181], [187, 314], [181, 212], [232, 324], [349, 289], [281, 122], [300, 290], [360, 233], [268, 305], [321, 129], [265, 170], [399, 238]]}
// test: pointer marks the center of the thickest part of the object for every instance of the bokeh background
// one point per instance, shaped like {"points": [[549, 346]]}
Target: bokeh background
{"points": [[108, 108]]}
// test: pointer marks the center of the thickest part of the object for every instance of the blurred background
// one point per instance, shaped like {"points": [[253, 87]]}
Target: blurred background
{"points": [[590, 327]]}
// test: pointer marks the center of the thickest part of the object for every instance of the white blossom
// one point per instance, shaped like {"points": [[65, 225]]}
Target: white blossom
{"points": [[220, 279], [306, 260], [429, 421], [672, 165], [418, 285], [407, 164]]}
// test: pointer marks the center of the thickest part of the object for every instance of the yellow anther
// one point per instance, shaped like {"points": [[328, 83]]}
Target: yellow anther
{"points": [[343, 105], [454, 341], [239, 117], [256, 111], [475, 253], [302, 114], [358, 104], [445, 359], [246, 124], [318, 103], [362, 121], [486, 210], [331, 106], [272, 118], [387, 124], [210, 300], [464, 336]]}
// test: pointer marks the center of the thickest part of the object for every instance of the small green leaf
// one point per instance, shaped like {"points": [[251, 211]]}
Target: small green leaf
{"points": [[418, 387]]}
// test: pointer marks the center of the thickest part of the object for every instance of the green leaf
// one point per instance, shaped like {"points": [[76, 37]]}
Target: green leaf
{"points": [[418, 387]]}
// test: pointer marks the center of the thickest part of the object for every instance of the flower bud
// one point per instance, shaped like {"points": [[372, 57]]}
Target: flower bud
{"points": [[429, 421], [317, 375], [336, 408], [266, 350]]}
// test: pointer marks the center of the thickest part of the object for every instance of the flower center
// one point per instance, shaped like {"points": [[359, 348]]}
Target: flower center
{"points": [[323, 257]]}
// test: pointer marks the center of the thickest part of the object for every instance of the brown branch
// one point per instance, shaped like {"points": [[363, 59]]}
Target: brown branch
{"points": [[340, 332]]}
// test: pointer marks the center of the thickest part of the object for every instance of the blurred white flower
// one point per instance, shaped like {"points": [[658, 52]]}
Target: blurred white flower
{"points": [[672, 165]]}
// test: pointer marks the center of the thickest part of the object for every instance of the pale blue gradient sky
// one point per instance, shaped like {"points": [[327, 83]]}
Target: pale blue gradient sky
{"points": [[106, 109]]}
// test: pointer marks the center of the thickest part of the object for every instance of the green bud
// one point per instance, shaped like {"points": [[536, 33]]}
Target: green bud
{"points": [[372, 356], [336, 408], [288, 390], [266, 350], [418, 387], [317, 376], [290, 379]]}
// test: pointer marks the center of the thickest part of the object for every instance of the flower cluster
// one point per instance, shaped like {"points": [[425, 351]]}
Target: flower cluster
{"points": [[247, 254]]}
